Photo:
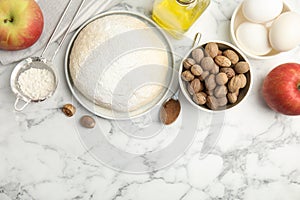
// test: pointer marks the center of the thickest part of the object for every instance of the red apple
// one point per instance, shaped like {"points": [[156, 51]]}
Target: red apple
{"points": [[281, 89], [21, 24]]}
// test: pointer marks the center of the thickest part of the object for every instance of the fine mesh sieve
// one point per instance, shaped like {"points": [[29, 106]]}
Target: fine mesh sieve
{"points": [[40, 63]]}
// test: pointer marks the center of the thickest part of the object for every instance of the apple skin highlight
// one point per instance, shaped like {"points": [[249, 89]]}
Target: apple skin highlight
{"points": [[21, 24], [281, 89]]}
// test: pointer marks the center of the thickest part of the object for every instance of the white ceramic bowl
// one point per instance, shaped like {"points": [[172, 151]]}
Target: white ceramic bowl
{"points": [[237, 19], [243, 92]]}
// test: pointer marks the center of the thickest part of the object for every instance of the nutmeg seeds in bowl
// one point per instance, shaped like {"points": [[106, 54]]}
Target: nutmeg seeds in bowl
{"points": [[215, 76]]}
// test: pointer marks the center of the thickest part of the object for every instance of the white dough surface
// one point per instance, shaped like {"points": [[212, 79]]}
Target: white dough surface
{"points": [[118, 62]]}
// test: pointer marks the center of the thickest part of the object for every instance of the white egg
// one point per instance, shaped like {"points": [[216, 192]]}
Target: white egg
{"points": [[261, 11], [253, 38], [285, 31]]}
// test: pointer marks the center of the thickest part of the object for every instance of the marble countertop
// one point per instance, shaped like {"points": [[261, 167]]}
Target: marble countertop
{"points": [[249, 153]]}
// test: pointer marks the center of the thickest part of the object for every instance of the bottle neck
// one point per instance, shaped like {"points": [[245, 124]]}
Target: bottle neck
{"points": [[185, 2]]}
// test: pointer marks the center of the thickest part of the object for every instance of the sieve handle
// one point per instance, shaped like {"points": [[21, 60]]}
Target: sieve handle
{"points": [[56, 28], [68, 30], [22, 107]]}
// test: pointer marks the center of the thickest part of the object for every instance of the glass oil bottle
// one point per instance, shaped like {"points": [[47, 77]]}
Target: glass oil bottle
{"points": [[177, 16]]}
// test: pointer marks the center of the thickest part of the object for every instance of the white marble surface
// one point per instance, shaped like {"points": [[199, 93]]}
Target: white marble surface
{"points": [[43, 155]]}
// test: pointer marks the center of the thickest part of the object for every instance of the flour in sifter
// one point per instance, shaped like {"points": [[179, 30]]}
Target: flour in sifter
{"points": [[36, 83]]}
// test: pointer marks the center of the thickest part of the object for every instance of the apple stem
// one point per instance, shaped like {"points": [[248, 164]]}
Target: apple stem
{"points": [[8, 20], [298, 86]]}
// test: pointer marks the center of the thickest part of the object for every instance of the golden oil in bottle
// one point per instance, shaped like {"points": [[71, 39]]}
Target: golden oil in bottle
{"points": [[177, 16]]}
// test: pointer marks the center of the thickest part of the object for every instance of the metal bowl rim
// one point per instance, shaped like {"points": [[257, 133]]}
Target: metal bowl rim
{"points": [[68, 51]]}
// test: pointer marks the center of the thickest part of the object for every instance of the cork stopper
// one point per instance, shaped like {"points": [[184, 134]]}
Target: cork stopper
{"points": [[185, 2]]}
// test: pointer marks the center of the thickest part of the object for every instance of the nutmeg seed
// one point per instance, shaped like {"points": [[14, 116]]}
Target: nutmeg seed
{"points": [[234, 84], [195, 86], [207, 63], [241, 67], [232, 56], [243, 79], [221, 78], [200, 98], [188, 63], [215, 70], [212, 49], [204, 75], [210, 82], [87, 121], [222, 101], [220, 91], [212, 102], [232, 97], [68, 109], [196, 70], [222, 61], [197, 55], [187, 76]]}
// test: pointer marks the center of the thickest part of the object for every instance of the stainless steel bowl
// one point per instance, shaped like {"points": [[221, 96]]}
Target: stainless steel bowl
{"points": [[104, 111]]}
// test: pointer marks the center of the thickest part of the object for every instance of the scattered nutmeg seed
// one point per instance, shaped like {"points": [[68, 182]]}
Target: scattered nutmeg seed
{"points": [[69, 110], [87, 121]]}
